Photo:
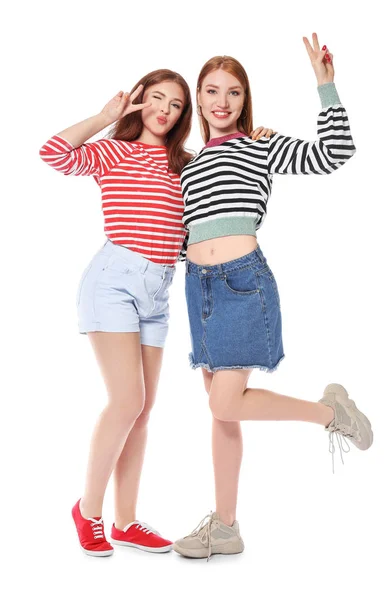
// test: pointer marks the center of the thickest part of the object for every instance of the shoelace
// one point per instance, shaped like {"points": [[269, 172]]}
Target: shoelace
{"points": [[340, 438], [143, 527], [97, 527], [206, 534]]}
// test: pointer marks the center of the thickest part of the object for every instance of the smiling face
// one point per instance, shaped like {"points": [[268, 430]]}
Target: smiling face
{"points": [[221, 99], [167, 102]]}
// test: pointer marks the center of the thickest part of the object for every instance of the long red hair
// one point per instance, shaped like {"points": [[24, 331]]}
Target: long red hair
{"points": [[232, 66], [130, 127]]}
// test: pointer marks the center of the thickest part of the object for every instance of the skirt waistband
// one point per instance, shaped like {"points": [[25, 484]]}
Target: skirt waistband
{"points": [[256, 256]]}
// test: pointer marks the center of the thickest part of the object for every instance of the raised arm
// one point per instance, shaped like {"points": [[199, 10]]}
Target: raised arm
{"points": [[334, 146], [67, 151]]}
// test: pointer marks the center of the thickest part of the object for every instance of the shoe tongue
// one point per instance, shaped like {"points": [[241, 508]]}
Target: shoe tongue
{"points": [[215, 515]]}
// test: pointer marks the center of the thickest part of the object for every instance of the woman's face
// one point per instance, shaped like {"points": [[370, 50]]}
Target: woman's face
{"points": [[167, 103], [221, 99]]}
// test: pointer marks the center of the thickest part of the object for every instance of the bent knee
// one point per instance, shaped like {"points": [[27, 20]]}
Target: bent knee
{"points": [[222, 407]]}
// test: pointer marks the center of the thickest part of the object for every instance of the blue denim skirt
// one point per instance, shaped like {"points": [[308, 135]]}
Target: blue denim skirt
{"points": [[234, 315]]}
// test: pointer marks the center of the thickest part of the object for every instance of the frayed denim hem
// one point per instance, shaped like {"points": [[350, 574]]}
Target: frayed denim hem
{"points": [[214, 369]]}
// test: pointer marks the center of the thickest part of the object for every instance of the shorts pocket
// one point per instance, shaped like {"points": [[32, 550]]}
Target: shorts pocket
{"points": [[242, 281], [119, 265], [153, 284]]}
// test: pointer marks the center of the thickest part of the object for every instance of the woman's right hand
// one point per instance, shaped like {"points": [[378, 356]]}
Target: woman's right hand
{"points": [[122, 105]]}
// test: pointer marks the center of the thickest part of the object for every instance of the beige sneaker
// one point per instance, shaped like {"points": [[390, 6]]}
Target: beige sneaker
{"points": [[349, 423], [211, 536]]}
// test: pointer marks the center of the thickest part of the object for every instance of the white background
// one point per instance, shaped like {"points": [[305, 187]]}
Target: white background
{"points": [[308, 534]]}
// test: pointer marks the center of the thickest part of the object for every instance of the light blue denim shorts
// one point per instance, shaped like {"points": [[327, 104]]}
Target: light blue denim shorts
{"points": [[121, 291], [234, 315]]}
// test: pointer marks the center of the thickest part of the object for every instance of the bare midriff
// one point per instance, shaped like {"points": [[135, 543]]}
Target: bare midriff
{"points": [[222, 249]]}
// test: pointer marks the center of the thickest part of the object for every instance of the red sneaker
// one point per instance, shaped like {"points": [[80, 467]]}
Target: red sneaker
{"points": [[91, 534], [142, 536]]}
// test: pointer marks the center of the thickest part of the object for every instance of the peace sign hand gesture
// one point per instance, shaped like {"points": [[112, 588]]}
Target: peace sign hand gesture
{"points": [[321, 60], [122, 104]]}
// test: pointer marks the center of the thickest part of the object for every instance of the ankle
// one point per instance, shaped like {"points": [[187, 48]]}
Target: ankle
{"points": [[121, 522], [226, 517], [90, 511]]}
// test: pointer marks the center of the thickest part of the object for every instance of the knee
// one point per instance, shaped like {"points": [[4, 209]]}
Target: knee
{"points": [[144, 415], [127, 408], [221, 406]]}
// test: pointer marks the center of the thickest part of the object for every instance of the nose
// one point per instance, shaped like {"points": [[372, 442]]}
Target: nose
{"points": [[165, 109], [222, 101]]}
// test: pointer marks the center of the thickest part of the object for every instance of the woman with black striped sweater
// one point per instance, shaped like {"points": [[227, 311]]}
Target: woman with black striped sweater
{"points": [[232, 296]]}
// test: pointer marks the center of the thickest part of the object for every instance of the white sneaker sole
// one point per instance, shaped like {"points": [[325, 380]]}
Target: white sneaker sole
{"points": [[144, 548], [98, 554], [228, 548], [366, 432]]}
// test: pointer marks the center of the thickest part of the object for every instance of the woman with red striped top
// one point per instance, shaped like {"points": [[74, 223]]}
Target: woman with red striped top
{"points": [[123, 294]]}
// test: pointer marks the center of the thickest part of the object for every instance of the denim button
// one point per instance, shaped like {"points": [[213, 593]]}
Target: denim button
{"points": [[204, 271]]}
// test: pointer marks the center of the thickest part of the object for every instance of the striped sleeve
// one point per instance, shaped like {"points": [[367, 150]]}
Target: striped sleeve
{"points": [[182, 255], [333, 148], [95, 158]]}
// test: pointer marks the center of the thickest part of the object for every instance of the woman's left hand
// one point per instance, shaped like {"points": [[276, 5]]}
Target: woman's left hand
{"points": [[321, 60], [260, 132]]}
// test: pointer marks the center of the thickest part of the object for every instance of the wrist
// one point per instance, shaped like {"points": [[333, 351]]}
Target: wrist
{"points": [[104, 120], [324, 81]]}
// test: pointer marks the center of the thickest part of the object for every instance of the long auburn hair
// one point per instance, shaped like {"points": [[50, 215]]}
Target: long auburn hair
{"points": [[130, 127], [232, 66]]}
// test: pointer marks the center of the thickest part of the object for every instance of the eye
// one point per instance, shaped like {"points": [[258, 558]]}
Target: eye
{"points": [[176, 106], [235, 93], [157, 97], [211, 91]]}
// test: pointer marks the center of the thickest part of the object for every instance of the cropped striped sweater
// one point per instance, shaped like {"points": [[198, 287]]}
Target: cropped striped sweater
{"points": [[227, 186], [141, 197]]}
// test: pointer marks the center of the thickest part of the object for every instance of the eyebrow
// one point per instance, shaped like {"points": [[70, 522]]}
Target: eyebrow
{"points": [[162, 94], [233, 87]]}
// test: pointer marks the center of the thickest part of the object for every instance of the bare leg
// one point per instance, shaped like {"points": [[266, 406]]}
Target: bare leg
{"points": [[227, 458], [129, 466], [230, 401], [120, 359]]}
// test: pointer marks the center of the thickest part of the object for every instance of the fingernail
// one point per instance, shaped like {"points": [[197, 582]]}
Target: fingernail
{"points": [[324, 47]]}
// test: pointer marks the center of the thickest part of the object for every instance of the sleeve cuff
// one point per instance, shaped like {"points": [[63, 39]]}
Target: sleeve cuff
{"points": [[328, 94]]}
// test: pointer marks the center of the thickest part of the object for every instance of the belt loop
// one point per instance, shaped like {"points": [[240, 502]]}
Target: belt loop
{"points": [[187, 267], [144, 266], [164, 271]]}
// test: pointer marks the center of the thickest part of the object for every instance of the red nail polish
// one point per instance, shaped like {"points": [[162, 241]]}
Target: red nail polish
{"points": [[324, 48]]}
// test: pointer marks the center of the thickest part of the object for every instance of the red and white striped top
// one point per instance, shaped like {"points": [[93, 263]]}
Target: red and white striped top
{"points": [[141, 197]]}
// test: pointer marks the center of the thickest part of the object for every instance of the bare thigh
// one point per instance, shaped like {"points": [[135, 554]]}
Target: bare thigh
{"points": [[227, 389], [119, 356]]}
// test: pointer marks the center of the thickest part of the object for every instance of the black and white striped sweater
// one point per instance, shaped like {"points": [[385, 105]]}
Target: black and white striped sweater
{"points": [[226, 187]]}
